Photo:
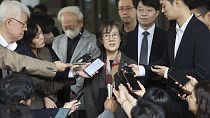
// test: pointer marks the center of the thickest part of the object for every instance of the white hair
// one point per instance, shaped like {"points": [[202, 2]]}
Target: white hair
{"points": [[11, 8], [71, 9]]}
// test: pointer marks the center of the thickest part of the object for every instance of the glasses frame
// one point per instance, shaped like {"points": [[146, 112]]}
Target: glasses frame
{"points": [[203, 11], [23, 24], [127, 8], [107, 36]]}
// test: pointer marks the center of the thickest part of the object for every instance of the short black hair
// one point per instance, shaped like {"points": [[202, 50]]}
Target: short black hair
{"points": [[30, 34], [146, 109], [160, 97], [40, 8], [45, 21], [197, 3], [107, 26], [16, 87], [135, 3], [152, 3], [186, 2], [12, 110]]}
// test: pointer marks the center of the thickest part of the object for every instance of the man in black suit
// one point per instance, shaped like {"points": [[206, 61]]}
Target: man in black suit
{"points": [[147, 12], [188, 42]]}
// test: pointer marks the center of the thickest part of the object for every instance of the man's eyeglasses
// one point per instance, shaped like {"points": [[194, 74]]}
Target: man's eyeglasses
{"points": [[203, 11], [107, 36], [23, 24], [129, 8]]}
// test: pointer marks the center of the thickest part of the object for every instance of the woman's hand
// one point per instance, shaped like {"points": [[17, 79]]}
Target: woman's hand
{"points": [[48, 103]]}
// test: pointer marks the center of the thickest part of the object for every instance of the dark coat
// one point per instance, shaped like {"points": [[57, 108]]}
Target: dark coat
{"points": [[95, 91]]}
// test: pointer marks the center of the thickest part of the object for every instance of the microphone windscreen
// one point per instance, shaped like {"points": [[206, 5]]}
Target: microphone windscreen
{"points": [[108, 79]]}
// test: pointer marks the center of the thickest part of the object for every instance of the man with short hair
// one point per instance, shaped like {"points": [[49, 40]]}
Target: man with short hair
{"points": [[13, 23], [156, 39], [127, 13], [186, 54], [75, 42]]}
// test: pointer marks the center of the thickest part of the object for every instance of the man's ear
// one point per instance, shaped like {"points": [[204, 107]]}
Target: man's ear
{"points": [[178, 3], [8, 22]]}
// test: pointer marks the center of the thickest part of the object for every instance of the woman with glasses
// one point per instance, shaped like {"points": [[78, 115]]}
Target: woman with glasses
{"points": [[110, 39]]}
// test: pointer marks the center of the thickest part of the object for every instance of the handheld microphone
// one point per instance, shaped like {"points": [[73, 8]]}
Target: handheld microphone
{"points": [[109, 85]]}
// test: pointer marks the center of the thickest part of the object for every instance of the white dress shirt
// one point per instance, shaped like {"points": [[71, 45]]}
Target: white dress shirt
{"points": [[179, 34], [149, 38], [151, 31], [12, 47], [4, 43]]}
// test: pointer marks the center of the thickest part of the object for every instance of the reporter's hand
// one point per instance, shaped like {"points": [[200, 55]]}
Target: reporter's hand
{"points": [[189, 86], [121, 94], [73, 105], [61, 66], [110, 104], [135, 69], [160, 70], [140, 92], [48, 103], [82, 73]]}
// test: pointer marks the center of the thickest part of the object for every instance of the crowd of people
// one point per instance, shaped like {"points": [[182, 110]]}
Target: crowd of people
{"points": [[42, 71]]}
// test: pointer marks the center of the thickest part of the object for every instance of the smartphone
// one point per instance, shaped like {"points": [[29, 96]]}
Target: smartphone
{"points": [[62, 113], [153, 66], [79, 96], [93, 67], [180, 91], [178, 76], [129, 77], [117, 79]]}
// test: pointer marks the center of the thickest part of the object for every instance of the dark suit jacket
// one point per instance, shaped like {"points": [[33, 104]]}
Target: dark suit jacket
{"points": [[193, 54], [157, 49], [192, 58], [95, 91], [158, 45]]}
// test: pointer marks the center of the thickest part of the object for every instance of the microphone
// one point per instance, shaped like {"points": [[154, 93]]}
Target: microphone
{"points": [[109, 85]]}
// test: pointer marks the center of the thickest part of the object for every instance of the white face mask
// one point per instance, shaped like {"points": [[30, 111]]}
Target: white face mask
{"points": [[72, 33]]}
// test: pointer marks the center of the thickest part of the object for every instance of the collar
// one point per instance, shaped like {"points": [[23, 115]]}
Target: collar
{"points": [[150, 30], [184, 25], [11, 46]]}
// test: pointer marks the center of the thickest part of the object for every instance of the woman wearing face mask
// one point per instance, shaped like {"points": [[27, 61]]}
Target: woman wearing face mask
{"points": [[110, 38], [32, 45]]}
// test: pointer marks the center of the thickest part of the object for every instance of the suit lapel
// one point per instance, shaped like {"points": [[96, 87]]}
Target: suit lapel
{"points": [[82, 42], [185, 38], [171, 43], [63, 49], [155, 45]]}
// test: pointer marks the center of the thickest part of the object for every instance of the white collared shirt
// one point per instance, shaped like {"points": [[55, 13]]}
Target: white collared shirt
{"points": [[179, 34], [151, 31], [149, 38], [11, 46]]}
